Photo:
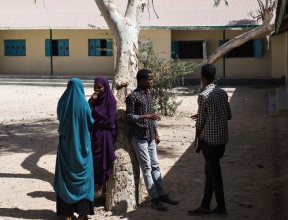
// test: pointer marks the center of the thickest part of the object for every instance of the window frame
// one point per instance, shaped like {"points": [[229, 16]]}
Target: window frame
{"points": [[102, 52], [176, 50], [20, 43], [256, 47], [59, 43]]}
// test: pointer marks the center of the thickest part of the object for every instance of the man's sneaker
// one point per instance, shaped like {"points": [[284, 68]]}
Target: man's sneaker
{"points": [[158, 205], [199, 211], [166, 199], [219, 212]]}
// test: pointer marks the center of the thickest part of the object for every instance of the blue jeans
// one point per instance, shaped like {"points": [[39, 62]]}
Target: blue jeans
{"points": [[147, 156]]}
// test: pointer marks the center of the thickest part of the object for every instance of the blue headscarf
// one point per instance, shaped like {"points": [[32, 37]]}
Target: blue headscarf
{"points": [[73, 179]]}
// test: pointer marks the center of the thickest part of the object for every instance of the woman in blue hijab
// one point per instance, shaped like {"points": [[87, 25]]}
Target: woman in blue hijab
{"points": [[73, 181]]}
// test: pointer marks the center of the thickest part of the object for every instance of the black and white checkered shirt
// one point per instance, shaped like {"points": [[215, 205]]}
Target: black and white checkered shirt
{"points": [[213, 115]]}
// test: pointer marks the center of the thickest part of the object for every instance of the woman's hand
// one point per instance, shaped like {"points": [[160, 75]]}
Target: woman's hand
{"points": [[94, 96]]}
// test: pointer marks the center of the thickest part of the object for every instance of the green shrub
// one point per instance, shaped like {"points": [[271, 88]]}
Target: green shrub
{"points": [[167, 74]]}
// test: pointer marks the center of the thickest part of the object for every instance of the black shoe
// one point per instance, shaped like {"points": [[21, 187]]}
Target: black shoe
{"points": [[166, 199], [158, 205], [219, 212], [199, 211]]}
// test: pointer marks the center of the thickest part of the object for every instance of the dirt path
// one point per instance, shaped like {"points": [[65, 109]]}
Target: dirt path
{"points": [[254, 166]]}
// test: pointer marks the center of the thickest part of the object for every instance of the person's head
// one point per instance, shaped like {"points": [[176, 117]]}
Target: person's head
{"points": [[144, 78], [75, 83], [100, 84], [208, 73]]}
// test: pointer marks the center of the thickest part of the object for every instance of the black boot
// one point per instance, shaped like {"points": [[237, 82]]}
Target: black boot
{"points": [[158, 205], [166, 199]]}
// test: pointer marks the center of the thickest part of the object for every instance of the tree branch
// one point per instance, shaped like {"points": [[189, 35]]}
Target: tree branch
{"points": [[112, 16], [268, 25], [134, 11]]}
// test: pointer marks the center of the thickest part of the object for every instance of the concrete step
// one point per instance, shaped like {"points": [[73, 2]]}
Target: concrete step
{"points": [[41, 81], [282, 98]]}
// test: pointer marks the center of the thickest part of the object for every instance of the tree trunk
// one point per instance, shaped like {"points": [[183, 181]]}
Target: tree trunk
{"points": [[125, 187]]}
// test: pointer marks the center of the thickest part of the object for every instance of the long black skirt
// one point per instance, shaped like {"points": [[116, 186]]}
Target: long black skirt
{"points": [[83, 207]]}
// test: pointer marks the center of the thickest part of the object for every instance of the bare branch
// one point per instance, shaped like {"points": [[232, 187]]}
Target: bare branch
{"points": [[217, 3]]}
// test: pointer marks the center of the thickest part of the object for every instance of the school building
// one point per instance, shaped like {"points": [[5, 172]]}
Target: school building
{"points": [[77, 30]]}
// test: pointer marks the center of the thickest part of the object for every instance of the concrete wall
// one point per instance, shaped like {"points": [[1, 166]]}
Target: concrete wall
{"points": [[161, 40], [272, 64], [78, 62], [36, 63], [279, 57], [235, 67]]}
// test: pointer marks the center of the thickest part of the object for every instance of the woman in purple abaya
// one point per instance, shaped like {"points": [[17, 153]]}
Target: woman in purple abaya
{"points": [[103, 133]]}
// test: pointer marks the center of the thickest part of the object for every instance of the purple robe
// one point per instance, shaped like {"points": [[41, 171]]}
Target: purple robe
{"points": [[103, 132]]}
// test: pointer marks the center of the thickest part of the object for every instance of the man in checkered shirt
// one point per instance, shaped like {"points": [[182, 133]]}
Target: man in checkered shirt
{"points": [[144, 138], [212, 136]]}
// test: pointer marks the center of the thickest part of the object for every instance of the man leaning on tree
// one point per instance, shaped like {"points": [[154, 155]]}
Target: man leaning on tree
{"points": [[144, 138]]}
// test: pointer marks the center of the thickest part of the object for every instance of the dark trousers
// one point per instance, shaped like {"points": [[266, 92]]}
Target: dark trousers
{"points": [[213, 183]]}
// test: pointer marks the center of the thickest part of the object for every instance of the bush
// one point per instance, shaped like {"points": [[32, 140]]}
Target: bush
{"points": [[167, 73]]}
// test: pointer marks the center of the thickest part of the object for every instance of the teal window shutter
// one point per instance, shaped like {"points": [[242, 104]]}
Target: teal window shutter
{"points": [[109, 46], [175, 49], [23, 48], [13, 48], [92, 47], [98, 47], [61, 48], [47, 48], [66, 47], [8, 47], [257, 52], [18, 47]]}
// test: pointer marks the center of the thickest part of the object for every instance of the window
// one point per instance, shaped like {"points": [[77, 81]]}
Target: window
{"points": [[187, 49], [252, 48], [15, 47], [100, 47], [58, 47]]}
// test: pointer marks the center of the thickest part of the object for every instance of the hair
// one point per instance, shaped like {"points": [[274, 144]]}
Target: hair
{"points": [[208, 71], [143, 74]]}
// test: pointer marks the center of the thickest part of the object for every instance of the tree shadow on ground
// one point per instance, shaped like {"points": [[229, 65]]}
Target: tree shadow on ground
{"points": [[251, 171], [37, 138]]}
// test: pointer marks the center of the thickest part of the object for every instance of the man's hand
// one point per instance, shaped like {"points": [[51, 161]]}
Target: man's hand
{"points": [[157, 139], [194, 117], [154, 117]]}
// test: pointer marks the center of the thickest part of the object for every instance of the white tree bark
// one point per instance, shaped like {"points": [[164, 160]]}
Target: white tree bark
{"points": [[268, 26], [125, 190]]}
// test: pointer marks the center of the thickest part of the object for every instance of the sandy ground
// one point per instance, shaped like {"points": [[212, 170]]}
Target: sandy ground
{"points": [[254, 166]]}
